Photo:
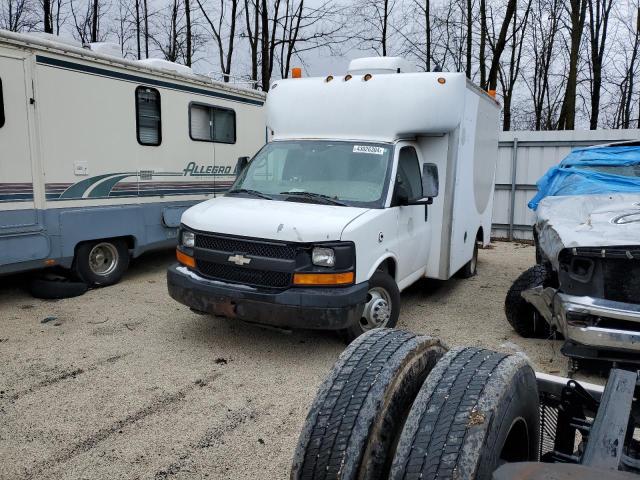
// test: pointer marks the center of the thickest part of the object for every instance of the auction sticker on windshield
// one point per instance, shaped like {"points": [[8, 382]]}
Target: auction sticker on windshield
{"points": [[369, 149]]}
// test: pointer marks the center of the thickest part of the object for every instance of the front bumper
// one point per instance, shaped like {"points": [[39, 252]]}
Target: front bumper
{"points": [[589, 322], [314, 308]]}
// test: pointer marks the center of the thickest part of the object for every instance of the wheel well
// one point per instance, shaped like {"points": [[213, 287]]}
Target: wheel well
{"points": [[388, 265], [129, 239]]}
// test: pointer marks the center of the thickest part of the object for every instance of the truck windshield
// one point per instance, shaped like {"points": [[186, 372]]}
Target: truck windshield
{"points": [[332, 172]]}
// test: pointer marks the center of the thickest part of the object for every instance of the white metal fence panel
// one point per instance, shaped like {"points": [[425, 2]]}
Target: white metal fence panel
{"points": [[523, 157]]}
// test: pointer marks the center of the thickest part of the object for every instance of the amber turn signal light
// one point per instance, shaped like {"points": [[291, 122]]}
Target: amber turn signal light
{"points": [[185, 259], [316, 279]]}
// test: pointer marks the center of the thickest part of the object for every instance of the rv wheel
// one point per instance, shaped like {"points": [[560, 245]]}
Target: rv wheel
{"points": [[382, 308], [522, 316], [471, 267], [101, 263], [357, 415], [476, 410]]}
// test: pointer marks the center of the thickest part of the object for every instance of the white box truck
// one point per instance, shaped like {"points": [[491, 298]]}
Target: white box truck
{"points": [[99, 155], [371, 181]]}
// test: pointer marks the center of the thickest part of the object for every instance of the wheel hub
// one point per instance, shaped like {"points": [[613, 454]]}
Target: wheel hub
{"points": [[377, 311], [103, 259]]}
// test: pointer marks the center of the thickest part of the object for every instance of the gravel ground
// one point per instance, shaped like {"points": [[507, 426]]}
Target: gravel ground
{"points": [[126, 383]]}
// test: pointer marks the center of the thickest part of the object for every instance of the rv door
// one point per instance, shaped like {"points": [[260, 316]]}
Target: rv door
{"points": [[17, 189]]}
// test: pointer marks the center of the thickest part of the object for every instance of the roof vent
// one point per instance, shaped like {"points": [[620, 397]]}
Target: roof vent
{"points": [[378, 65], [165, 65]]}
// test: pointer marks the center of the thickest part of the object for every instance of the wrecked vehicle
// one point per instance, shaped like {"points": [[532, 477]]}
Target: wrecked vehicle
{"points": [[586, 284]]}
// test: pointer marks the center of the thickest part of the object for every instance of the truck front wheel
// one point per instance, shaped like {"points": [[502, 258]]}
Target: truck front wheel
{"points": [[382, 308], [102, 262]]}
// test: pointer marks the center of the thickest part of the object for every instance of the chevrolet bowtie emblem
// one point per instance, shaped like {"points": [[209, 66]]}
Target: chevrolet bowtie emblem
{"points": [[239, 259]]}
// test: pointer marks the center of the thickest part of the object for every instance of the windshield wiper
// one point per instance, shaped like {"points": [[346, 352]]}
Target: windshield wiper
{"points": [[248, 191], [317, 196]]}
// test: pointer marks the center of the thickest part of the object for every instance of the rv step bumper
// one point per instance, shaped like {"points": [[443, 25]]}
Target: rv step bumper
{"points": [[313, 308]]}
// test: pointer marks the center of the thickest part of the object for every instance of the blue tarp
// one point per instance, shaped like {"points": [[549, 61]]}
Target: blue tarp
{"points": [[571, 177]]}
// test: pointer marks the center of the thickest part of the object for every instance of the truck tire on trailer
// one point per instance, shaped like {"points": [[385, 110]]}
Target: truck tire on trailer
{"points": [[522, 316], [102, 262], [471, 267], [382, 308], [359, 410], [476, 410]]}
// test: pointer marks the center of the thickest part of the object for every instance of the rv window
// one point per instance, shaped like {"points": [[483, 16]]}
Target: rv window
{"points": [[1, 106], [212, 124], [409, 172], [148, 121]]}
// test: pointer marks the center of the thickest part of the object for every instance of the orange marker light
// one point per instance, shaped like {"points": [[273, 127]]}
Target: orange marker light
{"points": [[367, 77], [185, 259], [492, 93], [317, 279], [442, 80], [296, 72]]}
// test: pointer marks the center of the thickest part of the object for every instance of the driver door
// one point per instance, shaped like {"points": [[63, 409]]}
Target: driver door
{"points": [[412, 229]]}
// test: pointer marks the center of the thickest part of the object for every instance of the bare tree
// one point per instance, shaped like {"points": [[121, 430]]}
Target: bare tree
{"points": [[189, 33], [17, 15], [577, 12], [509, 74], [223, 32], [252, 18], [374, 27], [598, 24], [498, 46]]}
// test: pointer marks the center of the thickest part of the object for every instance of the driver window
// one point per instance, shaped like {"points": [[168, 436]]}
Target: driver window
{"points": [[409, 172]]}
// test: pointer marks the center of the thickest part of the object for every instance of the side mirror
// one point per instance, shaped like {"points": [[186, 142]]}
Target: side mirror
{"points": [[430, 180], [241, 164]]}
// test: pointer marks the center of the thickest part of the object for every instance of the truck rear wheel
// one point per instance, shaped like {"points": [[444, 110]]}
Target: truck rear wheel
{"points": [[382, 308], [471, 267], [522, 316], [476, 410], [102, 262], [358, 413]]}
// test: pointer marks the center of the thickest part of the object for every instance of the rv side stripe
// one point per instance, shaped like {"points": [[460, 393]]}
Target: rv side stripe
{"points": [[54, 62]]}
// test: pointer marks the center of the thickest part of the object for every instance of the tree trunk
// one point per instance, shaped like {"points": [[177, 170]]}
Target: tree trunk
{"points": [[468, 69], [427, 26], [598, 24], [138, 27], [94, 22], [483, 45], [500, 44], [146, 29], [567, 118], [385, 22], [187, 16], [46, 9], [264, 46]]}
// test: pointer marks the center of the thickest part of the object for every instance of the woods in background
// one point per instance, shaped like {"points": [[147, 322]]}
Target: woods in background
{"points": [[554, 64]]}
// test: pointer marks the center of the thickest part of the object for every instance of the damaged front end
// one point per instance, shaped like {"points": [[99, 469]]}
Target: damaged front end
{"points": [[597, 305]]}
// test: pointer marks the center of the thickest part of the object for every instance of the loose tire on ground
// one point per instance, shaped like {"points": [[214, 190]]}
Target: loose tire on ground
{"points": [[359, 410], [382, 287], [471, 267], [55, 287], [102, 262], [522, 316], [476, 410]]}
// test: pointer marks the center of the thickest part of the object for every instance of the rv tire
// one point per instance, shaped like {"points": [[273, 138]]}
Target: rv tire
{"points": [[476, 410], [354, 422], [521, 315], [55, 287], [102, 262]]}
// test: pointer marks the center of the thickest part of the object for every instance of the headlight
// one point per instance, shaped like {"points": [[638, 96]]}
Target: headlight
{"points": [[188, 239], [323, 257]]}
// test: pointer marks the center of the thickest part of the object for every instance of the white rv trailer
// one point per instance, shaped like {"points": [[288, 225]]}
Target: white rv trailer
{"points": [[371, 182], [99, 156]]}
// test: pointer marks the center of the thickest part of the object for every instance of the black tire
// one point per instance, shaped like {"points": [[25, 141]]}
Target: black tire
{"points": [[522, 316], [55, 287], [85, 252], [379, 280], [476, 410], [358, 413], [471, 267]]}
